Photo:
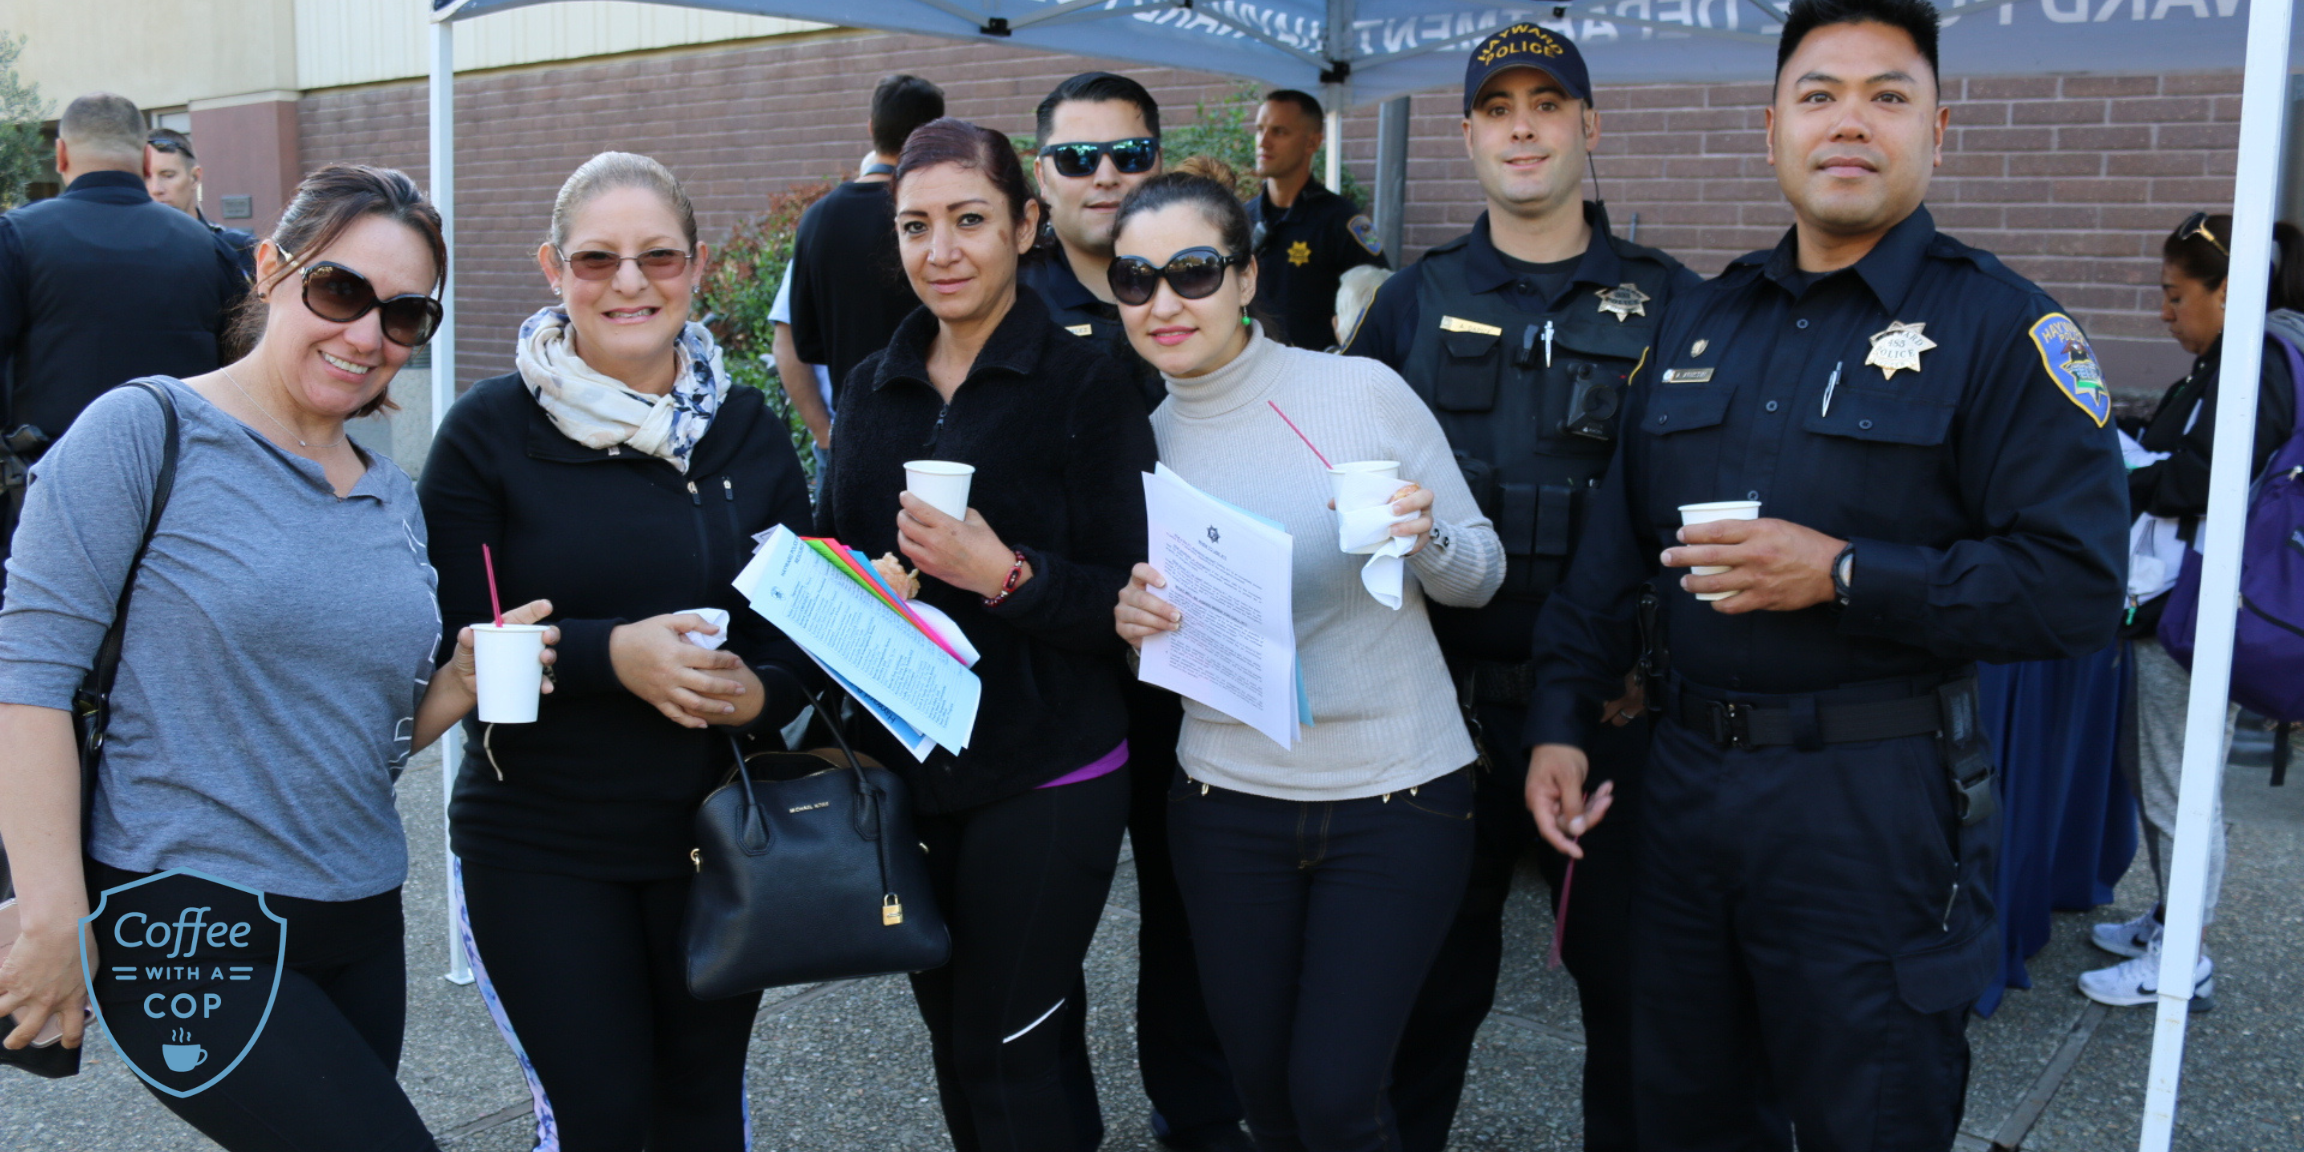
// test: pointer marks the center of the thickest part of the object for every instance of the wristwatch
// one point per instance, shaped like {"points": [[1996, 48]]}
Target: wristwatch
{"points": [[1843, 566]]}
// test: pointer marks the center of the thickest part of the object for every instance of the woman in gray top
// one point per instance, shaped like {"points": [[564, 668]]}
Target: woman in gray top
{"points": [[276, 673], [1319, 878]]}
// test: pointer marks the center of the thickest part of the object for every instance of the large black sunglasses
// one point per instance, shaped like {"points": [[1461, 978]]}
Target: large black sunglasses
{"points": [[340, 295], [1133, 155], [1195, 273], [2197, 225]]}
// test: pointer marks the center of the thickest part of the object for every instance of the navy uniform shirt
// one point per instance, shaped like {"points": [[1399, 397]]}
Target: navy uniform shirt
{"points": [[1387, 329], [1302, 252], [1979, 478], [1077, 310]]}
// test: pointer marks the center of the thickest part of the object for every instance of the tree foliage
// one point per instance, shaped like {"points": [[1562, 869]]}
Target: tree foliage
{"points": [[22, 159], [739, 291]]}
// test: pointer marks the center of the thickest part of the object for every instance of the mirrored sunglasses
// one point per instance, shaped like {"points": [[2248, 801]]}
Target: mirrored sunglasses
{"points": [[1133, 155]]}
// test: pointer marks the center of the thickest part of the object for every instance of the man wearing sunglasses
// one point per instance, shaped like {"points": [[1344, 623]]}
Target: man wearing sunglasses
{"points": [[1306, 235], [1098, 138], [173, 178], [78, 317], [1521, 335]]}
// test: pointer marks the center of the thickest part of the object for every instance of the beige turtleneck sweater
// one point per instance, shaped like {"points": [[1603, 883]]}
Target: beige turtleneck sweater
{"points": [[1384, 713]]}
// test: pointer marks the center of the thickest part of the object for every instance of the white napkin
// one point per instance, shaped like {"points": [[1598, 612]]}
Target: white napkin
{"points": [[1364, 521], [717, 617]]}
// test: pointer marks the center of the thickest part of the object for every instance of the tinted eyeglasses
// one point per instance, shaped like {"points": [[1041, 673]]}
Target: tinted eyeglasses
{"points": [[655, 263], [2197, 225], [340, 295], [1195, 273], [1133, 155]]}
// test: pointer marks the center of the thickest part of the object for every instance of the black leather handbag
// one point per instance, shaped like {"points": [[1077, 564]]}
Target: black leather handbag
{"points": [[91, 714], [807, 873]]}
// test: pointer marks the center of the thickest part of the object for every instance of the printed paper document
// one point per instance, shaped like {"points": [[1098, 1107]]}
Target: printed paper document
{"points": [[1228, 574]]}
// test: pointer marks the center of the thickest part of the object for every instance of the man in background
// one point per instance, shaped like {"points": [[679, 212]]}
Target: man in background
{"points": [[848, 286], [100, 285], [1098, 137], [173, 178], [1306, 235]]}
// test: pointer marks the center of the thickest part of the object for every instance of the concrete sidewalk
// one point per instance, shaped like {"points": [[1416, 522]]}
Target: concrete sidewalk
{"points": [[846, 1066]]}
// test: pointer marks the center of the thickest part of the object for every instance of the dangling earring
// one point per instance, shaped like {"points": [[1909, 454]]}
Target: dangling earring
{"points": [[555, 289], [1245, 321]]}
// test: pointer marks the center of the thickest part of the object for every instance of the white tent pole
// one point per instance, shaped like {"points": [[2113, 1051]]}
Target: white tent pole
{"points": [[1332, 173], [2263, 91], [443, 137]]}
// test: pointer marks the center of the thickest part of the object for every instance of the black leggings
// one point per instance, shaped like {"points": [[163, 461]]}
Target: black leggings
{"points": [[1022, 882], [322, 1076], [586, 979]]}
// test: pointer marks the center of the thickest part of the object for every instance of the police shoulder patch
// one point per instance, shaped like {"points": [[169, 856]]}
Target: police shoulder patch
{"points": [[1364, 230], [2071, 364]]}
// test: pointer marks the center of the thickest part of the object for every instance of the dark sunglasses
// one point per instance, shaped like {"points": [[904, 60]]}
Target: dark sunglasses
{"points": [[1133, 155], [163, 144], [655, 263], [340, 295], [1195, 273], [2197, 225]]}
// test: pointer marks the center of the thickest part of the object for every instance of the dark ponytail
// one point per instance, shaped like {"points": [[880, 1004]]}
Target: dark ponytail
{"points": [[2209, 260]]}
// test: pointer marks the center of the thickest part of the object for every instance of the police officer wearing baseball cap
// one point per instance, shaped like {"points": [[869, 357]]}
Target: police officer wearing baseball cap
{"points": [[1926, 434], [1522, 334]]}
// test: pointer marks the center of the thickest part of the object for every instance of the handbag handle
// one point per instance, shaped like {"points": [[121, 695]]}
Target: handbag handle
{"points": [[870, 802], [868, 797]]}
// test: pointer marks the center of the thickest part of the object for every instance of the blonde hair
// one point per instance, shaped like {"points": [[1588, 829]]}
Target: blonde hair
{"points": [[1354, 293], [612, 170]]}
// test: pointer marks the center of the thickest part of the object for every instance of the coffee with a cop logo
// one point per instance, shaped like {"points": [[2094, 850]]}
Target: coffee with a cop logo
{"points": [[184, 971]]}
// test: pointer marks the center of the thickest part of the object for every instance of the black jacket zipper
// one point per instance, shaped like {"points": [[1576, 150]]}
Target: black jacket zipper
{"points": [[703, 543]]}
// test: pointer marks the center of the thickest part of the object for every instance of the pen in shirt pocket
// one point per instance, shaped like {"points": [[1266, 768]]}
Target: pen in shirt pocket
{"points": [[1829, 385]]}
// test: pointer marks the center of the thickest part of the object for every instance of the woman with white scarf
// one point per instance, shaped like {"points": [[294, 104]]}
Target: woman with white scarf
{"points": [[617, 474]]}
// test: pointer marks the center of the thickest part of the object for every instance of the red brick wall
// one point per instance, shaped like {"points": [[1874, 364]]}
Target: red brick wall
{"points": [[2073, 181]]}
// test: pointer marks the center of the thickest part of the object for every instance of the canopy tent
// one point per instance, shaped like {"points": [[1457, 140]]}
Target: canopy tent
{"points": [[1357, 52]]}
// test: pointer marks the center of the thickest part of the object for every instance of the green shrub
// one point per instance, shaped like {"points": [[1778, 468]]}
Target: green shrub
{"points": [[738, 292]]}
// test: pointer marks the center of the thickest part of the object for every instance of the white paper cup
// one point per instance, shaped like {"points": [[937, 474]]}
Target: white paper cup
{"points": [[941, 483], [510, 661], [1705, 514], [1361, 484]]}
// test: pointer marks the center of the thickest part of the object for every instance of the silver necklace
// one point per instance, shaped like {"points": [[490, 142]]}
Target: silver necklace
{"points": [[300, 441]]}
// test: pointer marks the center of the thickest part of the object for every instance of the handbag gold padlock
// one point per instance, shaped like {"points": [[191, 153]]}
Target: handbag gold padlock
{"points": [[891, 911]]}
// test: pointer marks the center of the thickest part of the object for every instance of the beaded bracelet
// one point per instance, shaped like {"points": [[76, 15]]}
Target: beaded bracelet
{"points": [[1008, 586]]}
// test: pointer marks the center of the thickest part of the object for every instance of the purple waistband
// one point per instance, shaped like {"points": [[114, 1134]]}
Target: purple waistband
{"points": [[1104, 765]]}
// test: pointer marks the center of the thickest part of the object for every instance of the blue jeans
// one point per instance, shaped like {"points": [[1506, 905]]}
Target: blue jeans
{"points": [[1314, 924]]}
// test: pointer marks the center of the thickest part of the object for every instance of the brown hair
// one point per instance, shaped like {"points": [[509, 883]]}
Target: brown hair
{"points": [[949, 140], [328, 202]]}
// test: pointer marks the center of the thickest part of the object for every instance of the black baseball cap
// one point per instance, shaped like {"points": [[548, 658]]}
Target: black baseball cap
{"points": [[1527, 46]]}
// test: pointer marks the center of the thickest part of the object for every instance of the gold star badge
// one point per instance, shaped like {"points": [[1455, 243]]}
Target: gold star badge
{"points": [[1624, 301], [1299, 254], [1897, 348]]}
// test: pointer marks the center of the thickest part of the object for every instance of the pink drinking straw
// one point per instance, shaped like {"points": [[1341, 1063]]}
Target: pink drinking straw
{"points": [[1560, 916], [494, 604], [1300, 435]]}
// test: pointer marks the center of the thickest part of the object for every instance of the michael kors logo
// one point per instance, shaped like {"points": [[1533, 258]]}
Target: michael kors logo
{"points": [[811, 807]]}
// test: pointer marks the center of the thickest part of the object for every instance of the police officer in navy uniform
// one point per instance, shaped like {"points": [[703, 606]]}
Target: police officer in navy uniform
{"points": [[1925, 432], [1306, 237], [1521, 335]]}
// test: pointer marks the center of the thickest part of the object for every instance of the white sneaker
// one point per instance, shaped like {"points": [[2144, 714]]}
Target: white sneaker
{"points": [[2137, 981], [2133, 938]]}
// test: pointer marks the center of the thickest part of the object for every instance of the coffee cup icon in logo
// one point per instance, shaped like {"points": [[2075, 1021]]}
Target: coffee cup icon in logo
{"points": [[183, 1055]]}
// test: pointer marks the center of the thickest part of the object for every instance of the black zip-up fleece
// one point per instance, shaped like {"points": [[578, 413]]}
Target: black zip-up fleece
{"points": [[602, 786], [1059, 439]]}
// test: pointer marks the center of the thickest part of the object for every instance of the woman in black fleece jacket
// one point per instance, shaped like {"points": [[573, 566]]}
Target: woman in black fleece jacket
{"points": [[618, 475], [1023, 827]]}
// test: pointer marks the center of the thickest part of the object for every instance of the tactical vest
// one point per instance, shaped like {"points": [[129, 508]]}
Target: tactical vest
{"points": [[1529, 403]]}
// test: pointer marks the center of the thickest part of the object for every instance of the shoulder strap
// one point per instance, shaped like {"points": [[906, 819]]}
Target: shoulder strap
{"points": [[94, 701], [2295, 358]]}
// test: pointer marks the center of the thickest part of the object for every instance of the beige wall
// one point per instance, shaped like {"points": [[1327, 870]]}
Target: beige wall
{"points": [[159, 53]]}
